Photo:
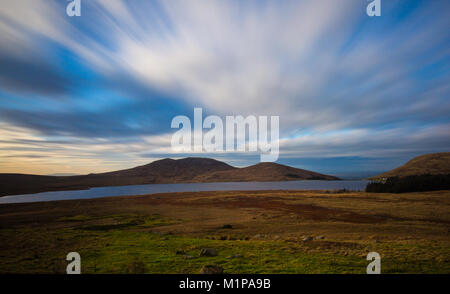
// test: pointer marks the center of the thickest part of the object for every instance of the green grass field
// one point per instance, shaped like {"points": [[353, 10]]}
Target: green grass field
{"points": [[131, 243]]}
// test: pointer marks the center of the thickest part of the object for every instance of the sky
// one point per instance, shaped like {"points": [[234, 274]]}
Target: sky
{"points": [[356, 95]]}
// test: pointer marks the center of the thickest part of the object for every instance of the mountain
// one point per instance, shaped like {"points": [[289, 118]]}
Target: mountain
{"points": [[262, 172], [168, 170], [432, 164], [187, 170]]}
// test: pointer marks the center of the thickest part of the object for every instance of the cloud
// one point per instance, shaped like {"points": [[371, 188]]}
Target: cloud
{"points": [[342, 83], [311, 62]]}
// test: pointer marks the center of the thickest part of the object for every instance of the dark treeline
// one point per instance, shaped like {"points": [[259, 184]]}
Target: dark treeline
{"points": [[411, 184]]}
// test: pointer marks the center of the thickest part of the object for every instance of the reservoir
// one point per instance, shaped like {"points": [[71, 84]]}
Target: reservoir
{"points": [[99, 192]]}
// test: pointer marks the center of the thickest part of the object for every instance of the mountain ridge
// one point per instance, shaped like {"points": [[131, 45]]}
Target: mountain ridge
{"points": [[163, 171]]}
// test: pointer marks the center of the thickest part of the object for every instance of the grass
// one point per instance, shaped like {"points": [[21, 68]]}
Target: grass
{"points": [[431, 164], [264, 231], [129, 249]]}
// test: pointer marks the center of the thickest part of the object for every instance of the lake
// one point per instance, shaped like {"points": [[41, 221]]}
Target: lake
{"points": [[190, 187]]}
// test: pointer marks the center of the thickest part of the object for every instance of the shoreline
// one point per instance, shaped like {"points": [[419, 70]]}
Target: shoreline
{"points": [[115, 191]]}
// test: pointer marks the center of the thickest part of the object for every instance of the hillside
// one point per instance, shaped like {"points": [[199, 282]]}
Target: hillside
{"points": [[432, 164], [263, 172], [187, 170], [167, 171]]}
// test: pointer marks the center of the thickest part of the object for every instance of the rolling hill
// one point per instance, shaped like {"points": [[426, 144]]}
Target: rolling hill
{"points": [[428, 164], [165, 171], [262, 172]]}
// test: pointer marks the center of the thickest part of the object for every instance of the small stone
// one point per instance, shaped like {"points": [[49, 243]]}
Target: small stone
{"points": [[227, 226], [307, 239], [259, 236], [209, 252], [211, 269], [180, 252], [320, 237], [235, 256]]}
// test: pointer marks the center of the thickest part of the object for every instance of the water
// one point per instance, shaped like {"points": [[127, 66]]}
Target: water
{"points": [[192, 187]]}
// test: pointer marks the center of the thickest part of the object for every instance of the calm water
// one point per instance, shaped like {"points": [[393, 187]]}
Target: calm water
{"points": [[194, 187]]}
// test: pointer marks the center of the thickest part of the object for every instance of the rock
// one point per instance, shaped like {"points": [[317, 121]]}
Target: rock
{"points": [[235, 256], [320, 237], [180, 252], [307, 239], [187, 256], [211, 269], [227, 226], [209, 252], [259, 236]]}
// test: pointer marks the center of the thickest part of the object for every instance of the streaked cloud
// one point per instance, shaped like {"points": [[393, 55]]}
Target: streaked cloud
{"points": [[107, 84]]}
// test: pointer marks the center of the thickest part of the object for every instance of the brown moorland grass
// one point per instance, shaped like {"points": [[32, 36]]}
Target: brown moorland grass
{"points": [[432, 164], [267, 228]]}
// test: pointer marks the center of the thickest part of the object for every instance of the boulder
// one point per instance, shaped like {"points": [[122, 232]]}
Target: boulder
{"points": [[235, 256], [211, 269]]}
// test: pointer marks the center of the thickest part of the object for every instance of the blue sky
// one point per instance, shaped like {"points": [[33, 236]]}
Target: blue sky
{"points": [[355, 95]]}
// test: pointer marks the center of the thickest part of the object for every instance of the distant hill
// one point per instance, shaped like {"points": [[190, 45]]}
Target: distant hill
{"points": [[167, 171], [187, 170], [262, 172], [428, 164]]}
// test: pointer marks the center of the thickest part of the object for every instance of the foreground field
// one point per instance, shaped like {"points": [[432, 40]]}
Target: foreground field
{"points": [[253, 232]]}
